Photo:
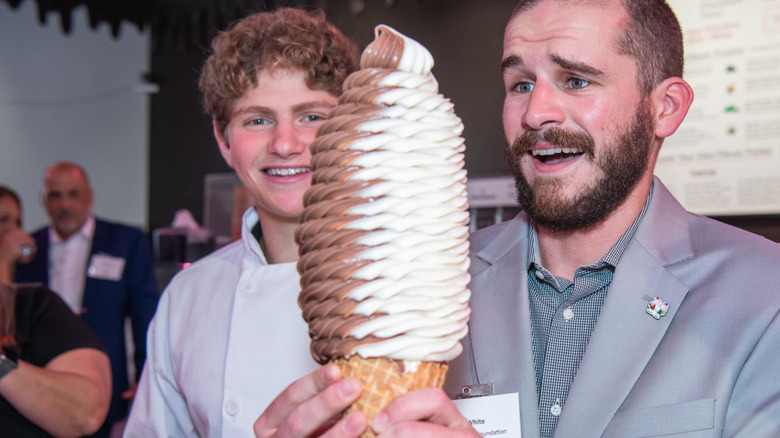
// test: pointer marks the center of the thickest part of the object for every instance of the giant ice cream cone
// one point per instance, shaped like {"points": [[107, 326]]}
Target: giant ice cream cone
{"points": [[383, 236]]}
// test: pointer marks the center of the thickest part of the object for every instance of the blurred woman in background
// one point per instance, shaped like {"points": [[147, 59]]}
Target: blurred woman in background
{"points": [[16, 245]]}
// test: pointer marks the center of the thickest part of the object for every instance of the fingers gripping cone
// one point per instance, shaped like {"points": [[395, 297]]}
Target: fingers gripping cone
{"points": [[385, 379]]}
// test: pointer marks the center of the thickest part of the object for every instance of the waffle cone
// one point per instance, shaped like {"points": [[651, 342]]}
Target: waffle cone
{"points": [[384, 379]]}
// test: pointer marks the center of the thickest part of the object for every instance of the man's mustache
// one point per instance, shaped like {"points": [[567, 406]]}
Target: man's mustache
{"points": [[556, 137], [64, 214]]}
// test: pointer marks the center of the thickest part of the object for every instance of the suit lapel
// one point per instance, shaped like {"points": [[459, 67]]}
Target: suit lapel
{"points": [[622, 343], [625, 336], [98, 244], [500, 324]]}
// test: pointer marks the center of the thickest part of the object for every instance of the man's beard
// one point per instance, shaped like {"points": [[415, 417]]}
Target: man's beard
{"points": [[623, 163]]}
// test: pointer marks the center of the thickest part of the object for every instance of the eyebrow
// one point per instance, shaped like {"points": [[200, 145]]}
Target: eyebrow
{"points": [[513, 61], [510, 62], [577, 66], [301, 107]]}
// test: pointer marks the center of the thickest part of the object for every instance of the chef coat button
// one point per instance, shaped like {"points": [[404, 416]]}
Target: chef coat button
{"points": [[232, 407], [568, 314]]}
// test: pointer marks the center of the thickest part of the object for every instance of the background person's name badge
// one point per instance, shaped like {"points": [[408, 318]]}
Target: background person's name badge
{"points": [[493, 415], [106, 267]]}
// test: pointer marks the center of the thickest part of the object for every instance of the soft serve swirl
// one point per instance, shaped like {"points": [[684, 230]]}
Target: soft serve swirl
{"points": [[383, 236]]}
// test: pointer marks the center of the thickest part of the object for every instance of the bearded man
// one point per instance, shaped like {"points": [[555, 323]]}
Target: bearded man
{"points": [[604, 304], [604, 309]]}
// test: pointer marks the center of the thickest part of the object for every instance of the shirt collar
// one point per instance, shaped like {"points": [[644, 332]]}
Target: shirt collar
{"points": [[85, 232], [248, 222]]}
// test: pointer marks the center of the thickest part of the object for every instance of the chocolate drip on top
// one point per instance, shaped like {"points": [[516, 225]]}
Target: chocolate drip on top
{"points": [[385, 51]]}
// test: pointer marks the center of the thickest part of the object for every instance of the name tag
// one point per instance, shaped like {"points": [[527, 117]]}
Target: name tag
{"points": [[493, 415], [106, 267]]}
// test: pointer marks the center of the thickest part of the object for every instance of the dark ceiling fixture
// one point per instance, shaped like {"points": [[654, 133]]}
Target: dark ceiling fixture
{"points": [[183, 22]]}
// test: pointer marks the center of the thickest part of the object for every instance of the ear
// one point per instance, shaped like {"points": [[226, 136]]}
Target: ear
{"points": [[224, 145], [671, 100]]}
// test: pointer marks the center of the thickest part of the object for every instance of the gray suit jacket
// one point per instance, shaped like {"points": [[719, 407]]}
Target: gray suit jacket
{"points": [[709, 367]]}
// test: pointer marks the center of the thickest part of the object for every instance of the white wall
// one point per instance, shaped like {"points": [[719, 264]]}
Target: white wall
{"points": [[73, 97], [725, 157]]}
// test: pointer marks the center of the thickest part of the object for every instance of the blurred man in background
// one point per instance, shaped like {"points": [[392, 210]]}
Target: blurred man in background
{"points": [[102, 270]]}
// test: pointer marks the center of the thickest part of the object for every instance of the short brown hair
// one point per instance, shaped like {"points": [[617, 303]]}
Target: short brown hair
{"points": [[652, 37], [285, 38], [7, 191]]}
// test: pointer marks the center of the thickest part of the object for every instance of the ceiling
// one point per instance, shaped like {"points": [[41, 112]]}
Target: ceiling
{"points": [[188, 22]]}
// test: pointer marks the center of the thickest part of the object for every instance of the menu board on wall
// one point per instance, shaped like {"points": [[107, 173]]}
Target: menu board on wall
{"points": [[725, 157]]}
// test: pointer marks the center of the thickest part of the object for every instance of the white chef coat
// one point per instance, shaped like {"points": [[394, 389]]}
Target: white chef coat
{"points": [[227, 338]]}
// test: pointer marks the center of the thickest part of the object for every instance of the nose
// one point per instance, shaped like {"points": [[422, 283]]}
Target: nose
{"points": [[70, 199], [287, 140], [63, 206], [543, 108], [58, 202]]}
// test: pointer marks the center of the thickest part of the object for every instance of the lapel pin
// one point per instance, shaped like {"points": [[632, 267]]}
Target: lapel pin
{"points": [[657, 308]]}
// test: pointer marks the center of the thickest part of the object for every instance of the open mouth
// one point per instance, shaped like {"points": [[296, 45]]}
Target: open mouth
{"points": [[556, 155], [287, 171]]}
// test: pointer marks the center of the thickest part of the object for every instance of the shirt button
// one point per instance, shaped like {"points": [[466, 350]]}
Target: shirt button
{"points": [[539, 275], [232, 407], [568, 314], [246, 287], [555, 410]]}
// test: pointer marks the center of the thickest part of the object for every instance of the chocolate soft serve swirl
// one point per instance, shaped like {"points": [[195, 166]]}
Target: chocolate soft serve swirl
{"points": [[383, 236]]}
